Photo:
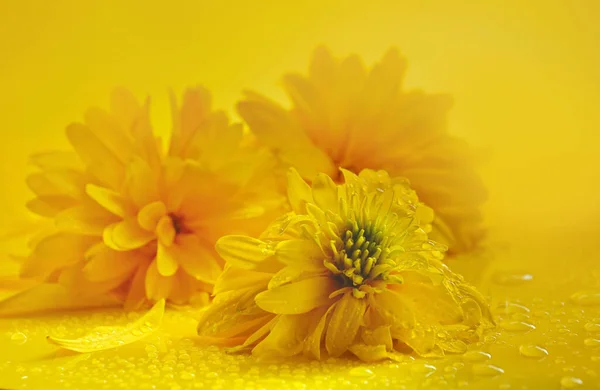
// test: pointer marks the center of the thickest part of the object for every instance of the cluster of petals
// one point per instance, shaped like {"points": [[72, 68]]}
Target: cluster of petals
{"points": [[350, 268], [139, 221]]}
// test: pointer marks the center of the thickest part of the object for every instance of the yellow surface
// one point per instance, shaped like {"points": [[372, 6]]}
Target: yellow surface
{"points": [[526, 82]]}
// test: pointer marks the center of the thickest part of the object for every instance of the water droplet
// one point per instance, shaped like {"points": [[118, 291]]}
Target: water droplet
{"points": [[18, 338], [187, 376], [517, 326], [511, 278], [486, 370], [426, 369], [361, 372], [586, 298], [590, 342], [570, 382], [592, 327], [533, 351], [476, 356], [512, 308]]}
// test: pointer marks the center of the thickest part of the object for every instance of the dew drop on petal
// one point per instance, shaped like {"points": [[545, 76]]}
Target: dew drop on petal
{"points": [[481, 369], [517, 326], [476, 356], [361, 372], [570, 382], [425, 369], [586, 298], [592, 327], [511, 278], [591, 342], [18, 338], [533, 351]]}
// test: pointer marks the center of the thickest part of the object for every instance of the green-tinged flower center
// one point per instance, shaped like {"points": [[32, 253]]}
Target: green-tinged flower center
{"points": [[362, 257]]}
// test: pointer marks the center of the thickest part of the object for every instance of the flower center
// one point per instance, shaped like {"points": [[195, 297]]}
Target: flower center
{"points": [[177, 222], [362, 257]]}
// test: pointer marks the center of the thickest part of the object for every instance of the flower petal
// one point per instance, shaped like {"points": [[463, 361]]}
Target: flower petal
{"points": [[107, 337], [195, 259], [126, 235], [84, 219], [344, 324], [142, 182], [151, 214], [304, 254], [136, 296], [105, 264], [298, 191], [370, 353], [166, 259], [110, 200], [55, 252], [165, 231], [313, 342], [286, 337], [242, 251], [157, 286], [325, 193], [296, 298], [53, 297], [108, 131], [234, 278], [100, 160]]}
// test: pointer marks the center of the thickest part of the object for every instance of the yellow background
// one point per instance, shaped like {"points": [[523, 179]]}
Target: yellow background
{"points": [[525, 75]]}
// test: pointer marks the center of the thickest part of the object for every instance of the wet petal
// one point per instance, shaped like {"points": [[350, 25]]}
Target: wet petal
{"points": [[242, 251], [300, 253], [313, 342], [370, 353], [345, 322], [234, 278], [286, 337], [296, 298], [107, 337]]}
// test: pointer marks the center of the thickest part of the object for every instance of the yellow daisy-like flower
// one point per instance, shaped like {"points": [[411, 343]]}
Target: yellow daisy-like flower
{"points": [[344, 115], [140, 222], [350, 268]]}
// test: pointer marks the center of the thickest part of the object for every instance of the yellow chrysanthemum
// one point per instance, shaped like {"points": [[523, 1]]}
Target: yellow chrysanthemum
{"points": [[344, 115], [351, 267], [140, 222]]}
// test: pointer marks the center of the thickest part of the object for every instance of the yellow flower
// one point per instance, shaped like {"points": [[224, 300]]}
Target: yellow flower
{"points": [[344, 115], [351, 268], [139, 222]]}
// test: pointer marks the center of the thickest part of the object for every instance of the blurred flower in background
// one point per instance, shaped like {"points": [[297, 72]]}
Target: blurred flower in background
{"points": [[137, 222], [350, 268], [346, 115]]}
